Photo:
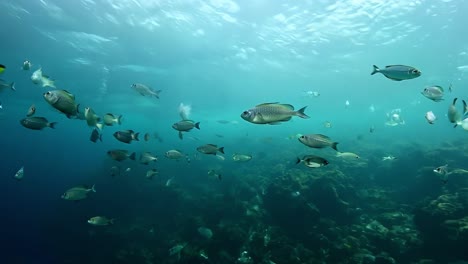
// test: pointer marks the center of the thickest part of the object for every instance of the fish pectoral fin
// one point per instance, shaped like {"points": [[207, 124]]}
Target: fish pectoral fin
{"points": [[394, 79]]}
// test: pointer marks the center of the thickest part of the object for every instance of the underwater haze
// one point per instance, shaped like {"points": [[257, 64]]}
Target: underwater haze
{"points": [[394, 191]]}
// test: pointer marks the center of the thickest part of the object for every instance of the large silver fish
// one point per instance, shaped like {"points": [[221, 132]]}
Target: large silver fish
{"points": [[397, 72], [5, 85], [63, 101], [312, 161], [145, 90], [272, 113]]}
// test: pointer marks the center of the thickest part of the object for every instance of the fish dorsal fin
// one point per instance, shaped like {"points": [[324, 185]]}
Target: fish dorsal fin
{"points": [[395, 65], [212, 145], [440, 87], [323, 136], [70, 94], [266, 104], [290, 107]]}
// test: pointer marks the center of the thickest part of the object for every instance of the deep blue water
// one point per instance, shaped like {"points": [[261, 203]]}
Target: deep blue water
{"points": [[222, 57]]}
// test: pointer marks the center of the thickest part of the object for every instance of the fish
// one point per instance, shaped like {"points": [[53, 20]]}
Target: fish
{"points": [[241, 157], [327, 124], [371, 129], [37, 123], [205, 232], [78, 193], [145, 90], [397, 72], [185, 126], [63, 101], [312, 161], [91, 118], [435, 93], [312, 93], [347, 155], [318, 141], [5, 85], [100, 221], [19, 174], [175, 154], [109, 119], [214, 174], [26, 65], [2, 68], [452, 113], [126, 136], [151, 173], [147, 136], [430, 117], [1, 105], [390, 157], [31, 111], [120, 154], [147, 157], [169, 181], [443, 173], [210, 149], [95, 135], [184, 111], [450, 88], [272, 113], [39, 78], [347, 103]]}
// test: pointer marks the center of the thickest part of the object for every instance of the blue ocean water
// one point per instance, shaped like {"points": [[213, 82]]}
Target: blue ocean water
{"points": [[222, 57]]}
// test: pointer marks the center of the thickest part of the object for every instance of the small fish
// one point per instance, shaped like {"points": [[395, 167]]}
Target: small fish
{"points": [[39, 78], [175, 154], [31, 111], [147, 137], [398, 72], [36, 77], [26, 65], [210, 149], [109, 119], [430, 117], [272, 113], [312, 93], [1, 105], [214, 174], [95, 135], [78, 193], [100, 221], [4, 85], [185, 126], [37, 123], [241, 157], [452, 113], [318, 141], [151, 173], [126, 136], [327, 124], [169, 182], [205, 232], [435, 93], [147, 157], [312, 161], [390, 157], [120, 154], [372, 108], [450, 88], [443, 173], [91, 118], [2, 68], [145, 90], [347, 155], [347, 104], [19, 174], [115, 171], [371, 129], [128, 169]]}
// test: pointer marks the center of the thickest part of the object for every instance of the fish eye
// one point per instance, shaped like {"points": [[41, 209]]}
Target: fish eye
{"points": [[245, 113]]}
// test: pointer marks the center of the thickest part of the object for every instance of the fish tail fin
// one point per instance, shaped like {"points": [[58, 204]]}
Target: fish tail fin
{"points": [[93, 188], [197, 125], [156, 93], [334, 146], [78, 108], [300, 112], [99, 126], [52, 125], [136, 136], [221, 149], [298, 160], [465, 108], [375, 70], [119, 120], [132, 156], [12, 86]]}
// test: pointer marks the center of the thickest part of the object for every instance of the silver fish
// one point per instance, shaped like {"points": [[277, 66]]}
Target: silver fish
{"points": [[63, 101], [147, 157], [318, 141], [347, 155], [19, 174], [26, 65], [210, 149], [78, 193], [31, 111], [4, 85], [37, 123], [100, 221], [91, 118], [145, 90], [272, 113], [109, 119], [398, 72], [241, 157], [435, 93], [151, 173]]}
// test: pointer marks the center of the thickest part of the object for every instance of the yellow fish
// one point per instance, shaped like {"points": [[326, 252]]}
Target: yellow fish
{"points": [[2, 68]]}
